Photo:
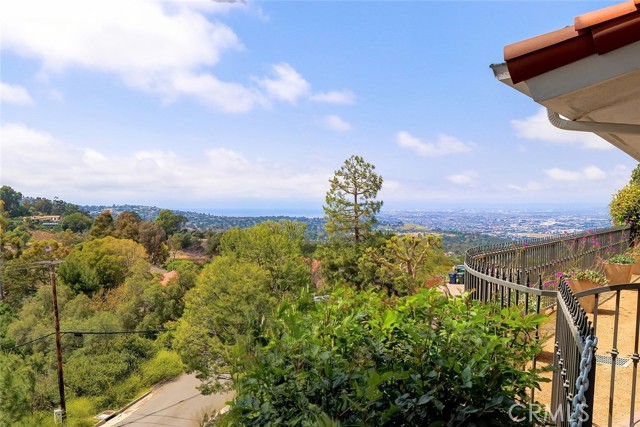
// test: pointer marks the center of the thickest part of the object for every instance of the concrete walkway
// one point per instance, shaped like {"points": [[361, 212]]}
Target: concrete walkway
{"points": [[177, 403]]}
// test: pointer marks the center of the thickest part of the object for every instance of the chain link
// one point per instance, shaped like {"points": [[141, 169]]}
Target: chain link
{"points": [[582, 383]]}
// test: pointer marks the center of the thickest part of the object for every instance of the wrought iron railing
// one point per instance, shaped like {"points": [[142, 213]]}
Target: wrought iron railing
{"points": [[619, 340], [574, 360], [525, 272]]}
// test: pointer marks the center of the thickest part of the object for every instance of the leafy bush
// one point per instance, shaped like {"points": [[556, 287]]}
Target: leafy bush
{"points": [[80, 412], [590, 275], [625, 208], [165, 365], [362, 360], [622, 259]]}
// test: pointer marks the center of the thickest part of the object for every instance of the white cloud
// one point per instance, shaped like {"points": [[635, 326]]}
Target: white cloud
{"points": [[530, 186], [463, 178], [335, 123], [444, 145], [537, 127], [158, 47], [621, 171], [589, 173], [166, 48], [335, 97], [288, 85], [37, 163], [14, 94], [229, 97]]}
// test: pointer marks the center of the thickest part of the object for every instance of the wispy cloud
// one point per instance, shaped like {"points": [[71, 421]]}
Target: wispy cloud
{"points": [[335, 123], [36, 162], [335, 97], [529, 186], [444, 145], [463, 178], [589, 173], [14, 94], [537, 127]]}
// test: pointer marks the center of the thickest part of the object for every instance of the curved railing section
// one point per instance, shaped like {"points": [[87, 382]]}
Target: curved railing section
{"points": [[525, 272]]}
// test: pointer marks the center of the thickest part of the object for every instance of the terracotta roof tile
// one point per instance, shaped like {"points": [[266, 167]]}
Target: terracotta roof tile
{"points": [[536, 43], [595, 32], [603, 15]]}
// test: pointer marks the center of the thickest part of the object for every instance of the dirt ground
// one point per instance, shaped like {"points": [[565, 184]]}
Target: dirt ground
{"points": [[621, 405]]}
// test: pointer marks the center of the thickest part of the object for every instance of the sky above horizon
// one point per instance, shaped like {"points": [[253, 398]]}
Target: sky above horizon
{"points": [[218, 105]]}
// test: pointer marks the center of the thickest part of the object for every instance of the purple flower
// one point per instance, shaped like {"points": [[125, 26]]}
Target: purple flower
{"points": [[559, 274]]}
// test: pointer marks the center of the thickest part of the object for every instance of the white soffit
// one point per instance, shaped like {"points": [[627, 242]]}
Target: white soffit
{"points": [[599, 88]]}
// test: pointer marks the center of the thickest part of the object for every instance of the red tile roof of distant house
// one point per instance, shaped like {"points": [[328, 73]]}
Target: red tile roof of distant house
{"points": [[597, 32]]}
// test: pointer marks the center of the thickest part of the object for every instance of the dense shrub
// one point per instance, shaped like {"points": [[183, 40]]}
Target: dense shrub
{"points": [[363, 360], [164, 365], [625, 208]]}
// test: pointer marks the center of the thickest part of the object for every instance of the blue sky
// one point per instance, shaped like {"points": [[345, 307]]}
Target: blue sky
{"points": [[203, 104]]}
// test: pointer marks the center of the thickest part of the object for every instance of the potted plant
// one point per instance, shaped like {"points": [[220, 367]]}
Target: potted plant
{"points": [[634, 252], [582, 280], [618, 268]]}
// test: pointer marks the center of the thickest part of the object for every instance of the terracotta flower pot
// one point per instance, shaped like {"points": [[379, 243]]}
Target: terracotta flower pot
{"points": [[635, 268], [588, 303], [618, 273]]}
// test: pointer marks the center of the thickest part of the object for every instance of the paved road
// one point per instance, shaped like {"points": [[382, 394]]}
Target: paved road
{"points": [[175, 404]]}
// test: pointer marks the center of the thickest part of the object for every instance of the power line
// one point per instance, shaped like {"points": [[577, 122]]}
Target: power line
{"points": [[76, 333], [32, 341], [80, 333]]}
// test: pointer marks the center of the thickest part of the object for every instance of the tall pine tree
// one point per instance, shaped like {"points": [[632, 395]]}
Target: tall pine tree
{"points": [[351, 204]]}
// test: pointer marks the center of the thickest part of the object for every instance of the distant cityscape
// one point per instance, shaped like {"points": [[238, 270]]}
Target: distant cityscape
{"points": [[505, 224], [511, 224]]}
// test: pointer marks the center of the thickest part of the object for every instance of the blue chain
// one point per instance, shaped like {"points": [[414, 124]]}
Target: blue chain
{"points": [[582, 383]]}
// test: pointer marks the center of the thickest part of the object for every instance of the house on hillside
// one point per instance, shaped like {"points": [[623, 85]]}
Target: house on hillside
{"points": [[46, 220]]}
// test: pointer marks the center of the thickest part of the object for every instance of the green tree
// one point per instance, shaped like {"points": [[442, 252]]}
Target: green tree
{"points": [[21, 277], [76, 222], [3, 238], [12, 201], [102, 225], [102, 263], [153, 238], [274, 246], [403, 264], [174, 244], [351, 205], [223, 313], [635, 175], [625, 205], [127, 225], [170, 222], [40, 205], [17, 387]]}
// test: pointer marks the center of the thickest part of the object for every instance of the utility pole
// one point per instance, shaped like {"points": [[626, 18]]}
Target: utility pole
{"points": [[1, 291], [56, 323]]}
